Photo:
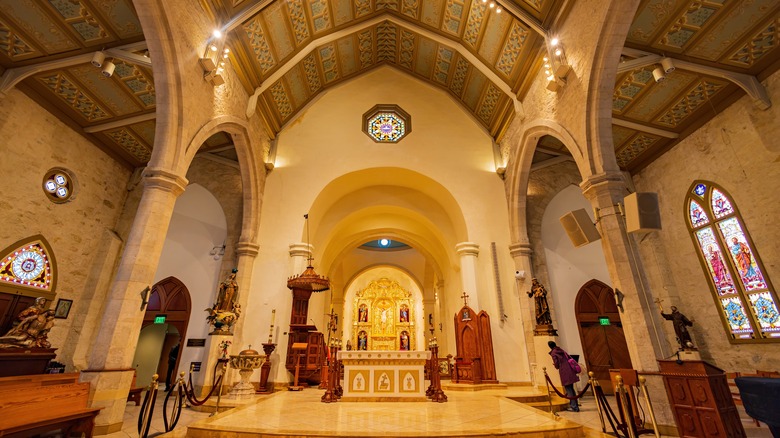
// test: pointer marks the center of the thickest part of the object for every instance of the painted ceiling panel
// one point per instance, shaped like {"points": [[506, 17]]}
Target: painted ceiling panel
{"points": [[320, 15], [30, 18], [431, 12], [661, 94], [757, 46], [444, 58], [493, 37], [297, 84], [330, 68], [488, 105], [699, 94], [80, 18], [278, 34], [637, 146], [387, 4], [735, 25], [342, 11], [146, 131], [129, 142], [137, 81], [454, 17], [426, 51], [313, 75], [122, 17], [298, 21], [512, 49], [476, 16], [72, 95], [688, 24], [476, 84], [620, 135], [14, 46], [259, 45], [462, 68], [406, 49], [362, 7], [346, 47], [366, 48], [106, 90], [629, 86]]}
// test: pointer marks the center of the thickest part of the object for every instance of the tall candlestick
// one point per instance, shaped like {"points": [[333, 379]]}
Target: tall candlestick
{"points": [[271, 333], [273, 316]]}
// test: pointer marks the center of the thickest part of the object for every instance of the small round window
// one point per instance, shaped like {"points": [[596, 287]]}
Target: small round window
{"points": [[387, 123], [59, 185]]}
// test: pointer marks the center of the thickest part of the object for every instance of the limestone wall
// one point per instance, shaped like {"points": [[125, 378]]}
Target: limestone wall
{"points": [[79, 232], [738, 150]]}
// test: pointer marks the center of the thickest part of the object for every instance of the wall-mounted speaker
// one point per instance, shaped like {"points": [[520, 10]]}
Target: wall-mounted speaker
{"points": [[579, 227], [642, 213]]}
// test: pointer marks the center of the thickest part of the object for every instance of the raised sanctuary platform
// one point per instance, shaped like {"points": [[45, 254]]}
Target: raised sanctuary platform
{"points": [[384, 375], [466, 414]]}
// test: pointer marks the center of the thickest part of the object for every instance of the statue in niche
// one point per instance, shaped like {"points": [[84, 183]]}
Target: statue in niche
{"points": [[403, 314], [542, 308], [228, 293], [363, 313], [32, 331], [404, 343], [362, 341]]}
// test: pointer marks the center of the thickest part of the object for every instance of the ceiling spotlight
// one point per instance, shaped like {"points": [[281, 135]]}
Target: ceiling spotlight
{"points": [[384, 242], [658, 74], [554, 42], [667, 65], [498, 10], [97, 59], [108, 69], [217, 33]]}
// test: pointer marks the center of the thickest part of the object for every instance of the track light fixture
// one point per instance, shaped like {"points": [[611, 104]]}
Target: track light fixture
{"points": [[658, 74], [556, 68], [97, 59], [108, 69], [215, 59], [667, 65]]}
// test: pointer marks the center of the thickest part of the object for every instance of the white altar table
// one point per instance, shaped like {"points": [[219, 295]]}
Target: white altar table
{"points": [[384, 375]]}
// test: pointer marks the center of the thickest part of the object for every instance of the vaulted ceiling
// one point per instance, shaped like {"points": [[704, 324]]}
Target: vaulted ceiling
{"points": [[288, 51]]}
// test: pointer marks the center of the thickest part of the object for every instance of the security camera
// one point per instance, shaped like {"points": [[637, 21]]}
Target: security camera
{"points": [[520, 275]]}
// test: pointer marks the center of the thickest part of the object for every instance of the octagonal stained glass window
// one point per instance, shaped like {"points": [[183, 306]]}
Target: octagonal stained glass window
{"points": [[387, 123]]}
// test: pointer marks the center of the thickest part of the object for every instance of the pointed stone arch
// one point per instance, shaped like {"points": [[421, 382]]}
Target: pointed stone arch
{"points": [[171, 297]]}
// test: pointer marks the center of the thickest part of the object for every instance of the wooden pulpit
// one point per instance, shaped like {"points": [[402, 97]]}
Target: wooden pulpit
{"points": [[700, 398], [474, 362]]}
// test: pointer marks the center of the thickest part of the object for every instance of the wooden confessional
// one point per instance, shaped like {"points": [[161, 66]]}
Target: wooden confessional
{"points": [[474, 362]]}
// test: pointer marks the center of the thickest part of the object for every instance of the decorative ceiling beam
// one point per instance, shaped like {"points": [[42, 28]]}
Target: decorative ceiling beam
{"points": [[119, 123], [13, 76], [245, 15], [550, 162], [550, 151], [217, 159], [748, 83], [644, 128], [524, 16], [462, 51]]}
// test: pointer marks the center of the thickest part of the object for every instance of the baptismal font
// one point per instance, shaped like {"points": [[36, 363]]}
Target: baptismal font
{"points": [[246, 362]]}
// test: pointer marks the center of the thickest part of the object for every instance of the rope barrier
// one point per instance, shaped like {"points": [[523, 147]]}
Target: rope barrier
{"points": [[178, 397], [567, 397], [147, 409], [189, 390]]}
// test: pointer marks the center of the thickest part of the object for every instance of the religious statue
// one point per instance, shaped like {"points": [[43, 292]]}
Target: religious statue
{"points": [[362, 341], [363, 313], [681, 324], [404, 313], [404, 341], [226, 309], [228, 293], [35, 309], [539, 294], [32, 331]]}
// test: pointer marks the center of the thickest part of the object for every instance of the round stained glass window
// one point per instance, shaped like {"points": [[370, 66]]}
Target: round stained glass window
{"points": [[386, 123], [58, 185]]}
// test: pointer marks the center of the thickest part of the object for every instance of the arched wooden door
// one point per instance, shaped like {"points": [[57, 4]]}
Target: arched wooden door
{"points": [[171, 298], [601, 331]]}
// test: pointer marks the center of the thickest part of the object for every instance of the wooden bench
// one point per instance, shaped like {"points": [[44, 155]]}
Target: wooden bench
{"points": [[42, 403]]}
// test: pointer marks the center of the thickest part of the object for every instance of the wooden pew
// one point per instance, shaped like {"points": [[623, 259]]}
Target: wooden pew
{"points": [[42, 403]]}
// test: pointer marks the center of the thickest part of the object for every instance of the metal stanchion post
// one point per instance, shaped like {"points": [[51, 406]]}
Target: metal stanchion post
{"points": [[627, 416], [549, 394], [593, 384], [643, 385]]}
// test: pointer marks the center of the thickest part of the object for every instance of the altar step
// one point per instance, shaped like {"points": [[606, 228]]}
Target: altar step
{"points": [[469, 387], [542, 401]]}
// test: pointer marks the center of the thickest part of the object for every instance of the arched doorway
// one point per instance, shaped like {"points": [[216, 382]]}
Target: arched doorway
{"points": [[601, 331], [164, 327]]}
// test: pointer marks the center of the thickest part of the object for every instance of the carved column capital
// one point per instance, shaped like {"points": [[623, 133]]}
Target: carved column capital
{"points": [[247, 249], [467, 248], [164, 180], [521, 249]]}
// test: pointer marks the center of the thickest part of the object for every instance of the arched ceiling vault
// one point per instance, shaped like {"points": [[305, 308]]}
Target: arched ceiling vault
{"points": [[290, 51]]}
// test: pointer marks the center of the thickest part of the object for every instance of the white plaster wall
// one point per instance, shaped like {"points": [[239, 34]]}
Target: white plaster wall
{"points": [[569, 268], [198, 224], [326, 141]]}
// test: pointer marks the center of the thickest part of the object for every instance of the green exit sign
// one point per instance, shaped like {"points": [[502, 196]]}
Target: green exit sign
{"points": [[604, 320], [160, 319]]}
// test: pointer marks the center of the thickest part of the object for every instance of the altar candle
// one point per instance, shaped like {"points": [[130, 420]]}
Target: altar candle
{"points": [[273, 317]]}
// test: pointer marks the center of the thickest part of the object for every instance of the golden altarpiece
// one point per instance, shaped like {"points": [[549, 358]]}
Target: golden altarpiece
{"points": [[383, 317]]}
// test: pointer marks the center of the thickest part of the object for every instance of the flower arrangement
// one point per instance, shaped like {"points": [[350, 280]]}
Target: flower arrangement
{"points": [[223, 346]]}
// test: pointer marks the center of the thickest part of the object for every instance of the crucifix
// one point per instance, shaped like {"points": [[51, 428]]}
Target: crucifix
{"points": [[465, 298], [659, 301]]}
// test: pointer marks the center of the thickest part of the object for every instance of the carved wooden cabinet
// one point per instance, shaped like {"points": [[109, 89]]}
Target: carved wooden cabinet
{"points": [[700, 398]]}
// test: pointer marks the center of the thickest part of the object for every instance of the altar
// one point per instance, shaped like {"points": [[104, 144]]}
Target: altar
{"points": [[384, 375]]}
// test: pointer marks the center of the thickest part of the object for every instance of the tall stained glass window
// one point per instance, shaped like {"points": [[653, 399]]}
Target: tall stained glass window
{"points": [[746, 298]]}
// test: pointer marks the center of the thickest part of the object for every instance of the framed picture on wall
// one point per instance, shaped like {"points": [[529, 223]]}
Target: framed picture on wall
{"points": [[63, 308]]}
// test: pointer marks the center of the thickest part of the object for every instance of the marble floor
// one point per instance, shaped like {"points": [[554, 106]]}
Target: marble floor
{"points": [[465, 414]]}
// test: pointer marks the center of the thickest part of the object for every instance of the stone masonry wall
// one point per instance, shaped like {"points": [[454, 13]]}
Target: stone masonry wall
{"points": [[34, 141], [737, 151]]}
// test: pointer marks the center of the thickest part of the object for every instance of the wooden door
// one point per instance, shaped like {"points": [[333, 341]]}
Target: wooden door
{"points": [[172, 298], [601, 332]]}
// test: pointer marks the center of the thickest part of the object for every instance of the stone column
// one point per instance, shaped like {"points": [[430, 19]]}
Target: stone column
{"points": [[468, 252], [640, 322], [522, 253], [110, 364]]}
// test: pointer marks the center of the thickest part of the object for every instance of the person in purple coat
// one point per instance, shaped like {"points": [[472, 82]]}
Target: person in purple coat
{"points": [[569, 376]]}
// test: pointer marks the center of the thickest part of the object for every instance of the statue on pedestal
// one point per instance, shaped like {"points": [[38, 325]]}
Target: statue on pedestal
{"points": [[226, 309], [542, 309], [681, 324], [32, 331]]}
